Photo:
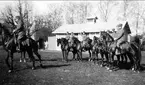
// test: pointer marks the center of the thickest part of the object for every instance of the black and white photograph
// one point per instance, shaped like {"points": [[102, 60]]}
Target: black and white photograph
{"points": [[72, 42]]}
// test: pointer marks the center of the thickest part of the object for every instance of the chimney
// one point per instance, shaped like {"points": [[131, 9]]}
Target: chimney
{"points": [[92, 19]]}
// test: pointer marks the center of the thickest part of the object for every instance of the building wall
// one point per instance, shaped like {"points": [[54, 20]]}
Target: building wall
{"points": [[52, 43], [94, 34]]}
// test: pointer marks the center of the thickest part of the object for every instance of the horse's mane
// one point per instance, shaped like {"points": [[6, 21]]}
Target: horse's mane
{"points": [[108, 36]]}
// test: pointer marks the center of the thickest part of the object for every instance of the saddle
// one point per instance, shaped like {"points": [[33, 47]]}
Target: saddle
{"points": [[24, 39]]}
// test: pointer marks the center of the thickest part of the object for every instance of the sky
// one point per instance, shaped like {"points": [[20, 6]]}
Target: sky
{"points": [[40, 7]]}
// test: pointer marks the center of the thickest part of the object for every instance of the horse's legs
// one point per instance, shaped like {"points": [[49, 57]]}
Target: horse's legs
{"points": [[93, 54], [66, 56], [21, 56], [125, 58], [89, 55], [122, 58], [79, 55], [112, 57], [118, 59], [138, 60], [39, 57], [131, 58], [11, 55], [63, 54], [107, 58], [74, 53], [7, 60], [102, 60], [30, 53], [24, 56]]}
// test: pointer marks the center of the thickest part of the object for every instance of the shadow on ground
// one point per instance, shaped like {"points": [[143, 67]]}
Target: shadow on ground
{"points": [[39, 67]]}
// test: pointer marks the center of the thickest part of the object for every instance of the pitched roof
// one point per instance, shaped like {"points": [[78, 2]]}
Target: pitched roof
{"points": [[88, 27]]}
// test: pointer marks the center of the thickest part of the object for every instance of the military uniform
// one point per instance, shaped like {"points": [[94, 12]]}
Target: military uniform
{"points": [[20, 31], [67, 36], [71, 37], [84, 38], [122, 35]]}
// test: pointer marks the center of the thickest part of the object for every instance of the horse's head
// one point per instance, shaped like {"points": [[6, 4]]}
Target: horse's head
{"points": [[103, 35], [62, 41], [58, 42], [95, 40], [106, 36], [75, 40]]}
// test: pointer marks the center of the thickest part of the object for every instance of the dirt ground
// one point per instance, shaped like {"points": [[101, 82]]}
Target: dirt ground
{"points": [[57, 72]]}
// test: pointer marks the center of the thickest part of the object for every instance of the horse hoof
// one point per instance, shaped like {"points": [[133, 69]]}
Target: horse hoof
{"points": [[33, 68], [10, 71], [110, 70], [132, 69], [24, 61], [20, 60]]}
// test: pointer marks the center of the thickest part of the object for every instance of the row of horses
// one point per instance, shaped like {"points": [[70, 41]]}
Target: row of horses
{"points": [[104, 45]]}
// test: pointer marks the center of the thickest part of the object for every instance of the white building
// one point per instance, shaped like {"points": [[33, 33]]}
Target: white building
{"points": [[91, 28]]}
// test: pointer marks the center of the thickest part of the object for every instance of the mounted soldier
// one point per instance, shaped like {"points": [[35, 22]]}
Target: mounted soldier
{"points": [[84, 38], [71, 38], [67, 35], [19, 31], [122, 33]]}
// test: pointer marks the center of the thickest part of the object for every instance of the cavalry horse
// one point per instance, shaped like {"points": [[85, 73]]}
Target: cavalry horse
{"points": [[84, 47], [9, 44], [95, 50], [66, 47], [130, 49], [75, 46], [100, 48]]}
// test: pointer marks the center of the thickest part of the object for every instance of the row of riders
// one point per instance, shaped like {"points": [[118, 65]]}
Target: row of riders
{"points": [[18, 41], [106, 46]]}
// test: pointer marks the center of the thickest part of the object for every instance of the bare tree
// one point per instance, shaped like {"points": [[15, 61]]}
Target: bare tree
{"points": [[105, 8], [22, 8], [137, 14], [8, 15]]}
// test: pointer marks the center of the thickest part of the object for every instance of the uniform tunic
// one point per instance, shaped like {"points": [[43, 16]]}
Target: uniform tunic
{"points": [[20, 30], [122, 34]]}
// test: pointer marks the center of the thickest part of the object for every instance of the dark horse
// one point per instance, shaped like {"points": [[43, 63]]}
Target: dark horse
{"points": [[130, 49], [95, 50], [83, 48], [66, 47], [99, 47], [9, 44]]}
